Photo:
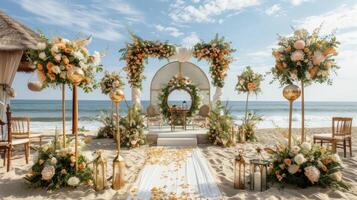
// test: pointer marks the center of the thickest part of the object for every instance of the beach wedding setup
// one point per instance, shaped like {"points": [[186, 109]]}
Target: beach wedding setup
{"points": [[168, 149]]}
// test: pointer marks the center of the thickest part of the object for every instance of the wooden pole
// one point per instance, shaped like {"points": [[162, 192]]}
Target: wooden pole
{"points": [[302, 113], [117, 125], [75, 122], [63, 116], [290, 121]]}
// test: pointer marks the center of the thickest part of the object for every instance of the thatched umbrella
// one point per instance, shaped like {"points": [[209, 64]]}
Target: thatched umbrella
{"points": [[15, 38]]}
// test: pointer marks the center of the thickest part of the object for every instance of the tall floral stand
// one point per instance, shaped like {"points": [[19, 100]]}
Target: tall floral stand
{"points": [[291, 93]]}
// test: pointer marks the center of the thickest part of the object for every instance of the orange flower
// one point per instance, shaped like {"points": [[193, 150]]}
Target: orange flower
{"points": [[65, 60], [251, 86], [61, 46], [68, 50], [41, 75], [69, 66], [287, 162], [49, 67], [39, 67], [329, 51], [82, 165], [51, 76]]}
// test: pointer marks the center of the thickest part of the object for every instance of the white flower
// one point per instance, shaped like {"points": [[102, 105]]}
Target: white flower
{"points": [[306, 146], [299, 159], [299, 44], [54, 49], [293, 169], [337, 176], [312, 173], [56, 69], [297, 55], [63, 75], [62, 67], [293, 75], [65, 40], [335, 158], [83, 65], [73, 181], [78, 55], [47, 173], [97, 58], [317, 58], [307, 75], [58, 57], [42, 55], [53, 161], [295, 149], [41, 46]]}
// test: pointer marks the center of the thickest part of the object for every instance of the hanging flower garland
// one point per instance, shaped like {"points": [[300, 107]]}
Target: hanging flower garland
{"points": [[218, 53], [54, 58], [137, 52], [110, 82], [305, 57], [179, 83]]}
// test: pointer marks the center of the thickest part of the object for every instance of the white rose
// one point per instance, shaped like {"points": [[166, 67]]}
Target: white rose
{"points": [[41, 46], [297, 55], [306, 146], [47, 173], [73, 181], [293, 169], [299, 44], [78, 55], [317, 58], [53, 161], [42, 55], [299, 159], [56, 69], [312, 173], [337, 176], [335, 158], [58, 57], [295, 149]]}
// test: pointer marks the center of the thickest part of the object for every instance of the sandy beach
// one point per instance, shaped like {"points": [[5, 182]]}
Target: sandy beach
{"points": [[13, 186]]}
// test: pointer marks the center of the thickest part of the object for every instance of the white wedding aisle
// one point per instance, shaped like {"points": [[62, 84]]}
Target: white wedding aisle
{"points": [[175, 173]]}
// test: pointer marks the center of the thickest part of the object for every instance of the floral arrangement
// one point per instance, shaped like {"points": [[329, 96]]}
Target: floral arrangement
{"points": [[306, 165], [132, 128], [218, 53], [108, 128], [221, 126], [249, 82], [179, 83], [137, 52], [54, 168], [54, 58], [110, 82], [305, 57]]}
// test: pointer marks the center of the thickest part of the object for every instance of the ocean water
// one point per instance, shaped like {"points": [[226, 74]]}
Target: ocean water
{"points": [[46, 114]]}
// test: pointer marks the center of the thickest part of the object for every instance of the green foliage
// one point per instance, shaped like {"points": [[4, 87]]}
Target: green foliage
{"points": [[249, 126], [110, 82], [132, 128], [108, 128], [220, 126]]}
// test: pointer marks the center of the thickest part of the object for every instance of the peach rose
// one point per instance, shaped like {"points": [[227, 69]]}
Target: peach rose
{"points": [[299, 44]]}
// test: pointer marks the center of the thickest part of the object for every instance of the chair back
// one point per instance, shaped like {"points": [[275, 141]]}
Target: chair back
{"points": [[204, 111], [20, 126], [6, 136], [2, 124], [151, 111], [341, 126]]}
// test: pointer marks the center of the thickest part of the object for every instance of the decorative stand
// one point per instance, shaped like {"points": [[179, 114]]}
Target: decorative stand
{"points": [[239, 171], [258, 174], [75, 75], [118, 163], [291, 93], [63, 115]]}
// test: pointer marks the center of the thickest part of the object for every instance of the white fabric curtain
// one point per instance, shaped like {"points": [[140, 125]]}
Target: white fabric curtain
{"points": [[217, 95], [9, 62], [136, 96]]}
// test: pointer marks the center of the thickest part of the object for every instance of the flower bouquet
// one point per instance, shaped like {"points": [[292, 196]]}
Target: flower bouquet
{"points": [[54, 168], [306, 165], [132, 129], [54, 58], [110, 82]]}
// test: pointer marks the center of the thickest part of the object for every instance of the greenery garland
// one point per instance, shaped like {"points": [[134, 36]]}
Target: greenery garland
{"points": [[137, 52], [218, 53], [179, 83]]}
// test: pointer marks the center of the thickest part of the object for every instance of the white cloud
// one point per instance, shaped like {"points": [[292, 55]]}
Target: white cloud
{"points": [[190, 40], [121, 7], [88, 19], [274, 9], [208, 10], [298, 2], [170, 30]]}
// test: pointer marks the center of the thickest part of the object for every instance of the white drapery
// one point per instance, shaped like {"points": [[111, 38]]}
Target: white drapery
{"points": [[9, 62], [217, 95], [136, 96]]}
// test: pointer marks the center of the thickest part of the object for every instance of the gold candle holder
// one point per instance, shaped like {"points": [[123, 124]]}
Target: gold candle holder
{"points": [[291, 93], [239, 171], [99, 169]]}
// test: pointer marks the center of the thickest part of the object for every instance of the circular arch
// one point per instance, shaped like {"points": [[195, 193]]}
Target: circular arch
{"points": [[187, 69]]}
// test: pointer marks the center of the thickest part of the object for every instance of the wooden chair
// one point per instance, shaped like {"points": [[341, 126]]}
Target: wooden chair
{"points": [[7, 145], [201, 119], [20, 127], [341, 132], [153, 116]]}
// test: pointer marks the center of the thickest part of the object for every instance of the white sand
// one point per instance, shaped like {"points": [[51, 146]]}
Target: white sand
{"points": [[13, 186]]}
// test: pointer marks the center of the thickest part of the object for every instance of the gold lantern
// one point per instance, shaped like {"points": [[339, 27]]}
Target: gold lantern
{"points": [[239, 171], [100, 168], [291, 93], [118, 172], [258, 174]]}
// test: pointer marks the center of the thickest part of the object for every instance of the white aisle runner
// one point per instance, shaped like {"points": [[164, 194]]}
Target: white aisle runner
{"points": [[175, 173]]}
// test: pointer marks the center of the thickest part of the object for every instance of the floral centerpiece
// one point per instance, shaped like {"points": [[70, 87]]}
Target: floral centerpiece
{"points": [[218, 53], [249, 82], [179, 83], [110, 82], [220, 126], [54, 58], [306, 165], [132, 128], [137, 52], [54, 168]]}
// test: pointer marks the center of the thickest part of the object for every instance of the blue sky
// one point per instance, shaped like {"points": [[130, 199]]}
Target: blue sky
{"points": [[251, 25]]}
